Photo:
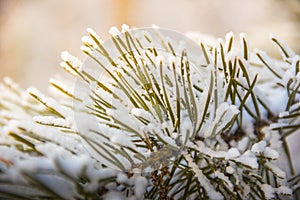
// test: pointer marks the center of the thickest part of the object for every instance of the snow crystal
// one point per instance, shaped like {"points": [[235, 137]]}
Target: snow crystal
{"points": [[229, 35], [101, 174], [73, 165], [172, 60], [95, 35], [271, 153], [159, 59], [269, 191], [186, 129], [242, 35], [246, 188], [211, 192], [74, 61], [34, 165], [64, 86], [284, 190], [122, 178], [9, 153], [273, 137], [207, 151], [114, 31], [50, 102], [93, 85], [60, 186], [231, 55], [294, 107], [91, 31], [220, 40], [283, 114], [247, 126], [232, 153], [140, 186], [49, 120], [276, 170], [121, 138], [168, 140], [286, 48], [243, 144], [124, 118], [88, 42], [224, 115], [276, 125], [269, 61], [155, 26], [8, 81], [259, 147], [125, 28], [114, 195], [141, 113], [68, 68], [248, 159], [12, 126], [224, 178], [230, 170]]}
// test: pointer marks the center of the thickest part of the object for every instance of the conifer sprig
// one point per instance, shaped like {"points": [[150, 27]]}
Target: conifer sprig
{"points": [[155, 115]]}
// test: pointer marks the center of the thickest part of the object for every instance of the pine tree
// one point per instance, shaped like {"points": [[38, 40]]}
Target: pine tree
{"points": [[153, 114]]}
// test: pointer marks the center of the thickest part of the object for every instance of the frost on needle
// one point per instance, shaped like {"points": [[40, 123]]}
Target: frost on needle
{"points": [[154, 114]]}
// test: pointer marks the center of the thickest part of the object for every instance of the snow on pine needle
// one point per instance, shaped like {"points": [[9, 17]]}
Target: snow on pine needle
{"points": [[154, 114]]}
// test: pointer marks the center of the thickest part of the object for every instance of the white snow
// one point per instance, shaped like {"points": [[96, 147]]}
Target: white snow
{"points": [[68, 68], [224, 114], [271, 153], [243, 144], [248, 159], [125, 28], [284, 190], [74, 61], [230, 170], [114, 195], [121, 138], [172, 60], [284, 114], [114, 31], [95, 35], [276, 170], [211, 192], [269, 61], [140, 187], [232, 153], [49, 120], [57, 153], [139, 112], [201, 147], [86, 50], [242, 38], [259, 147], [159, 60], [49, 102], [73, 165], [269, 191], [88, 42], [100, 174], [288, 50], [229, 35], [122, 178], [224, 178], [59, 185]]}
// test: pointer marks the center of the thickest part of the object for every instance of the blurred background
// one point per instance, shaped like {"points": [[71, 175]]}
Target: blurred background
{"points": [[34, 32]]}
